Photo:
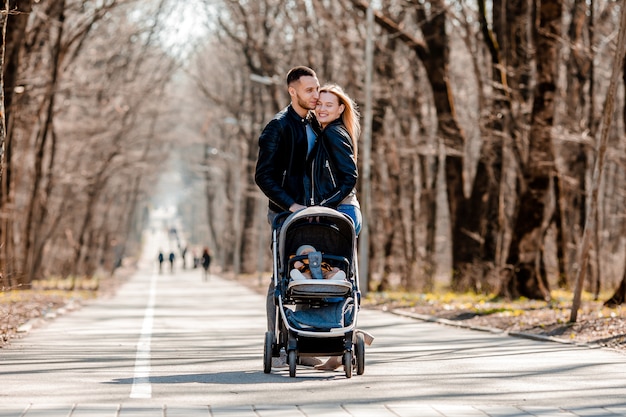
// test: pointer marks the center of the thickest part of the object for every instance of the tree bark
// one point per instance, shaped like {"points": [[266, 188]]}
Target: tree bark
{"points": [[12, 42], [36, 211], [527, 276], [619, 296], [436, 64], [476, 258], [570, 184]]}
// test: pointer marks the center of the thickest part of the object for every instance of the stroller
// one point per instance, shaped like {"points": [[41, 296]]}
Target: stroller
{"points": [[316, 316]]}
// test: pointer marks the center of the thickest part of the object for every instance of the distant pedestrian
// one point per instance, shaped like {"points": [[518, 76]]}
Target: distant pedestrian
{"points": [[196, 258], [161, 259], [184, 255], [206, 263], [172, 257]]}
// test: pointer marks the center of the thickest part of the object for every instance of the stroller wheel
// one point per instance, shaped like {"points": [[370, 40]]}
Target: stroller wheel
{"points": [[292, 359], [347, 364], [359, 353], [267, 352]]}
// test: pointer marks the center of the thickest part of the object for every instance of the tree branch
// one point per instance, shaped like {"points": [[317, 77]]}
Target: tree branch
{"points": [[394, 28]]}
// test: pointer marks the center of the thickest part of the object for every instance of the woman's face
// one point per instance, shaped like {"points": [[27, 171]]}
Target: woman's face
{"points": [[328, 108]]}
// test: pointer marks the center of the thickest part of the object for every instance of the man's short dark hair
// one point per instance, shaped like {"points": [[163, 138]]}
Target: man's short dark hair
{"points": [[296, 73]]}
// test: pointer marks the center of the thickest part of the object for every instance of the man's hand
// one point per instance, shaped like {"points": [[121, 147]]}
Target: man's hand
{"points": [[295, 207]]}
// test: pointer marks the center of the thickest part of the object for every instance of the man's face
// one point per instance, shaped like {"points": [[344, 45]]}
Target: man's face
{"points": [[305, 92]]}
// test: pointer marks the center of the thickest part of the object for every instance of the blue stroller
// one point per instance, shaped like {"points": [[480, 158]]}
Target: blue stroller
{"points": [[315, 316]]}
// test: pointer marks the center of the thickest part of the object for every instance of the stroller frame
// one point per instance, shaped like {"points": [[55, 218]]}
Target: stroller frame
{"points": [[333, 234]]}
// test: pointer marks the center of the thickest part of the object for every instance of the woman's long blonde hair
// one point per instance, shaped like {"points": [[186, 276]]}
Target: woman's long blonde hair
{"points": [[350, 115]]}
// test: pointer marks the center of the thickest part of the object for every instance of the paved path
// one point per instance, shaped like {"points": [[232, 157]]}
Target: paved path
{"points": [[171, 345]]}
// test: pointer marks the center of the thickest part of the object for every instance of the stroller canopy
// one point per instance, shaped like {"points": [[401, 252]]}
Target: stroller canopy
{"points": [[328, 230]]}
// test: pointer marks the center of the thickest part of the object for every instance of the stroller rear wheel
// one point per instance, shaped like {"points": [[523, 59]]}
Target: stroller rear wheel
{"points": [[267, 352], [359, 353]]}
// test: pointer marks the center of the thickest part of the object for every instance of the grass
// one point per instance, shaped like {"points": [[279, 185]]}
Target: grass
{"points": [[485, 304]]}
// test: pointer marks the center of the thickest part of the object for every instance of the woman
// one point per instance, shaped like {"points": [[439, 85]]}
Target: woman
{"points": [[332, 168]]}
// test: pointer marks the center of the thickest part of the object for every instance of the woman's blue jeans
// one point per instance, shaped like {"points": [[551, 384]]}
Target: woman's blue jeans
{"points": [[354, 213]]}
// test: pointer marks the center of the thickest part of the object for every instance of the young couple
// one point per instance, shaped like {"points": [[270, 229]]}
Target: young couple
{"points": [[307, 154]]}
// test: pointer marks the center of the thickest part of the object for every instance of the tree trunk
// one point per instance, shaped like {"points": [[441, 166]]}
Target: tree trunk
{"points": [[36, 211], [434, 55], [528, 276], [570, 184], [436, 63], [619, 297], [15, 26], [478, 245]]}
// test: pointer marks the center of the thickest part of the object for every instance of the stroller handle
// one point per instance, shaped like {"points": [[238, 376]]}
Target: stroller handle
{"points": [[280, 219]]}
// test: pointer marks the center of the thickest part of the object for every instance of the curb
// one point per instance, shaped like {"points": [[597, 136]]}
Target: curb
{"points": [[47, 316]]}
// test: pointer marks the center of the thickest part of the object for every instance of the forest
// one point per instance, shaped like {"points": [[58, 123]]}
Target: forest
{"points": [[492, 157]]}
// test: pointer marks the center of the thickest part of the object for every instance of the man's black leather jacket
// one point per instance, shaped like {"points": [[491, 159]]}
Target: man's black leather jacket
{"points": [[332, 168], [280, 167]]}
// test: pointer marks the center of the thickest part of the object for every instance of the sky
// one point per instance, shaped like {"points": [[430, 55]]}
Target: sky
{"points": [[185, 26], [183, 22]]}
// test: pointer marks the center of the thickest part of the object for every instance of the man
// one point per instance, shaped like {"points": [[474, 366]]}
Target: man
{"points": [[285, 143], [283, 147]]}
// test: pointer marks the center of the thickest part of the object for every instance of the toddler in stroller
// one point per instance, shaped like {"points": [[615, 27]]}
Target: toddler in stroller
{"points": [[303, 269]]}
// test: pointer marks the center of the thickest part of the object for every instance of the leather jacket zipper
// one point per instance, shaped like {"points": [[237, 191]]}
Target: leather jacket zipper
{"points": [[329, 198], [313, 185], [330, 172], [332, 179]]}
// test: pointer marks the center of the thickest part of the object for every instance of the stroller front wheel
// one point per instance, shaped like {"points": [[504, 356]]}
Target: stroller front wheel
{"points": [[267, 352], [347, 364], [292, 359]]}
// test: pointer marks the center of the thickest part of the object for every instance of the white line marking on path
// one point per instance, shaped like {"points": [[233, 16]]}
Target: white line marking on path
{"points": [[141, 379]]}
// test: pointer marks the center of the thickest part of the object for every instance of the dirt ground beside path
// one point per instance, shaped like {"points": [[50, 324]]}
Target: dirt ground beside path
{"points": [[24, 310], [596, 325]]}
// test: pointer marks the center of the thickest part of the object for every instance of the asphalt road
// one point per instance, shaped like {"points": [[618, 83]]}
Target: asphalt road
{"points": [[173, 345]]}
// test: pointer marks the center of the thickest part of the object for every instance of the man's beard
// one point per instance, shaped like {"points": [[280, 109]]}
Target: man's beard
{"points": [[304, 104]]}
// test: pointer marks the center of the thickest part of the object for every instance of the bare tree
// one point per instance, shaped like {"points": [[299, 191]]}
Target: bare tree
{"points": [[65, 84], [15, 22], [620, 294], [527, 275], [471, 157]]}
